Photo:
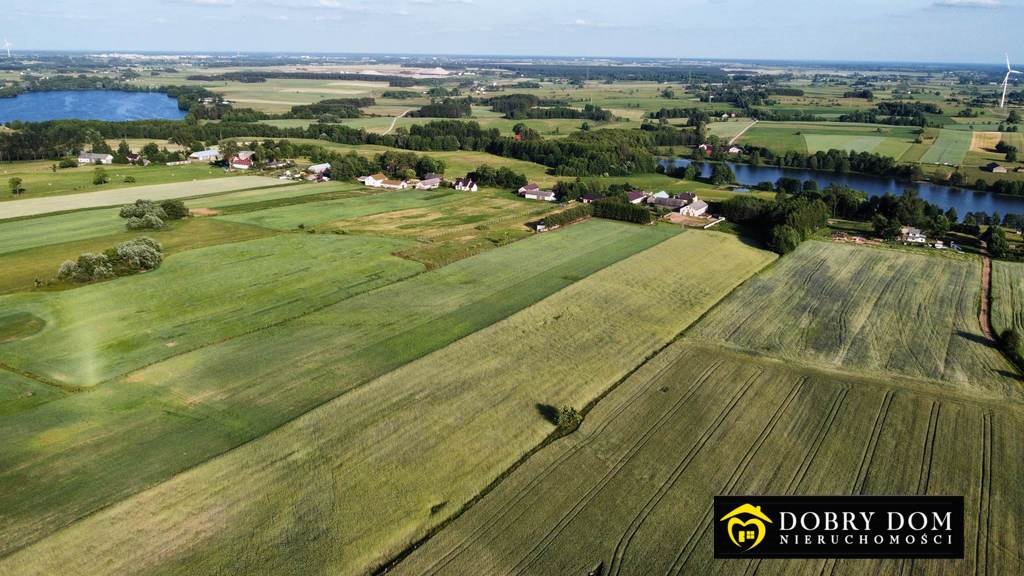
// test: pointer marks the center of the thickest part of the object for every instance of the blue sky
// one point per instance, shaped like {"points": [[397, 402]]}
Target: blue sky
{"points": [[908, 30]]}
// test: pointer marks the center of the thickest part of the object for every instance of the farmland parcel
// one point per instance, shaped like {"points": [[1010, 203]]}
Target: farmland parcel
{"points": [[318, 482]]}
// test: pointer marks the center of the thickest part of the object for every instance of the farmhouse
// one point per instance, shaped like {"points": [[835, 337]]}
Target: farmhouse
{"points": [[696, 208], [735, 150], [208, 155], [545, 195], [912, 235], [636, 196], [670, 203], [466, 184], [591, 198], [374, 180], [242, 160], [995, 168], [91, 158], [133, 158], [706, 148], [394, 184], [319, 169], [529, 188], [429, 183]]}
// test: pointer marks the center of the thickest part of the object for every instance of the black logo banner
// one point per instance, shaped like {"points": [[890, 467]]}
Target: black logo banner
{"points": [[839, 526]]}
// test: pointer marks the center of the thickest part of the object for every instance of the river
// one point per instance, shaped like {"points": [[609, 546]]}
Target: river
{"points": [[945, 196], [111, 105]]}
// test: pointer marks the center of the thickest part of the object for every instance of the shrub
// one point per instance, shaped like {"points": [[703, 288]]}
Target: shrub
{"points": [[129, 179], [99, 176], [68, 163], [569, 419], [143, 207], [174, 209], [129, 257], [147, 222], [1010, 342]]}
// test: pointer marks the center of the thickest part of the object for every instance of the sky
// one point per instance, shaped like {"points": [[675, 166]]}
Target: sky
{"points": [[867, 30]]}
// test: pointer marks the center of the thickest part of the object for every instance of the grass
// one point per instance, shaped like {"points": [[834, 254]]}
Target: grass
{"points": [[950, 148], [22, 268], [448, 231], [40, 181], [71, 457], [120, 326], [810, 137], [869, 311], [698, 421], [1007, 296], [425, 438], [97, 199], [18, 393], [314, 214]]}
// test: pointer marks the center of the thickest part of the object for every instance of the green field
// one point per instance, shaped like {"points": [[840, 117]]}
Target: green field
{"points": [[120, 326], [950, 148], [70, 457], [425, 438], [1007, 296], [810, 137], [40, 181], [872, 311], [32, 206], [631, 492], [312, 214]]}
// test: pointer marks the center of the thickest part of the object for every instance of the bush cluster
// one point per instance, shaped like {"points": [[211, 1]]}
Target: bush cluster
{"points": [[131, 257], [150, 215]]}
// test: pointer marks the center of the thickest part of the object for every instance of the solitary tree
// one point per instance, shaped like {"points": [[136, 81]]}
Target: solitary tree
{"points": [[99, 176], [16, 187]]}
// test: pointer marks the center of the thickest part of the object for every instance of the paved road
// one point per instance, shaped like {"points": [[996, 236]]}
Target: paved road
{"points": [[46, 205]]}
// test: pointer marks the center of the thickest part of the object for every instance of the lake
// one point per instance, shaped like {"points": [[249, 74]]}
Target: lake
{"points": [[109, 105], [945, 196]]}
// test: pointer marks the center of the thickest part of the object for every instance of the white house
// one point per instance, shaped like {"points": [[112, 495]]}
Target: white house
{"points": [[735, 150], [545, 195], [429, 184], [909, 234], [466, 184], [696, 208], [91, 158], [242, 160], [636, 196], [374, 180], [208, 155], [662, 194], [394, 184]]}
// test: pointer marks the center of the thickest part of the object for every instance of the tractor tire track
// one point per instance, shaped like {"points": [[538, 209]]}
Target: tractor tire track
{"points": [[702, 528], [513, 504], [538, 549], [615, 566], [869, 450]]}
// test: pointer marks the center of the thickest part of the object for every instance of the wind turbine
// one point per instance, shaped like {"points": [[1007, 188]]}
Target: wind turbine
{"points": [[1006, 80], [7, 45]]}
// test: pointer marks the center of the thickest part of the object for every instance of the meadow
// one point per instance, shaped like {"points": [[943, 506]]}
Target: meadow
{"points": [[810, 137], [318, 482], [33, 206], [869, 311], [40, 181], [95, 333], [69, 457], [950, 148], [631, 491]]}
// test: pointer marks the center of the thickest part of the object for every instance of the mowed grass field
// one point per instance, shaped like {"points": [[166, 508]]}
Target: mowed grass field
{"points": [[871, 311], [811, 137], [32, 206], [353, 482], [70, 457], [631, 492], [40, 181], [950, 148], [98, 332]]}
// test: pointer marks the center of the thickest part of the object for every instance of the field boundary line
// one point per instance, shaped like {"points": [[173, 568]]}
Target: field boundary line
{"points": [[68, 388]]}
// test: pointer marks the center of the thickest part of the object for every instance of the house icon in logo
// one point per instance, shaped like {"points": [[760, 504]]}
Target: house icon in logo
{"points": [[746, 526]]}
